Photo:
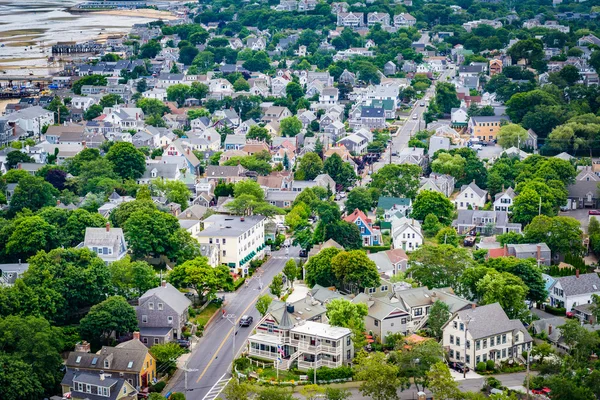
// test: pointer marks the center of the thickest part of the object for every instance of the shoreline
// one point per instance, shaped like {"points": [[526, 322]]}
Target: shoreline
{"points": [[139, 12]]}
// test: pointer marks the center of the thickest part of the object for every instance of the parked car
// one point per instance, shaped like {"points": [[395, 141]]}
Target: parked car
{"points": [[415, 116], [594, 212], [460, 367], [469, 241], [545, 391], [422, 104], [303, 253], [246, 320], [183, 343]]}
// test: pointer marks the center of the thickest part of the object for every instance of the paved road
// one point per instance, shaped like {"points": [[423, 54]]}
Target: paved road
{"points": [[212, 355]]}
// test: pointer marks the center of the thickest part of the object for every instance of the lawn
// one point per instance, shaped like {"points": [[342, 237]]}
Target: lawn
{"points": [[202, 318], [271, 373]]}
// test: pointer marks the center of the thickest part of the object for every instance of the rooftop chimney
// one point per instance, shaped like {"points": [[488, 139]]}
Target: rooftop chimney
{"points": [[136, 335], [539, 252], [108, 227], [163, 283], [505, 250], [549, 330], [83, 347], [577, 273], [473, 306], [57, 202]]}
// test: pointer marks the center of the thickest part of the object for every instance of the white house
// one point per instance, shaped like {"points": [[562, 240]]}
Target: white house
{"points": [[503, 201], [484, 333], [240, 239], [108, 243], [470, 196], [570, 291], [82, 102], [406, 234]]}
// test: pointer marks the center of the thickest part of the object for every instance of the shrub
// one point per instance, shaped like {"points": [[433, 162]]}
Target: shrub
{"points": [[556, 310], [480, 367], [490, 365], [158, 387], [330, 374], [242, 363], [238, 283], [376, 249], [493, 383]]}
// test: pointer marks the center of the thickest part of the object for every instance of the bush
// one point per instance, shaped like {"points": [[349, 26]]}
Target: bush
{"points": [[331, 374], [158, 387], [481, 366], [242, 363], [490, 365], [238, 283], [556, 311], [376, 249], [492, 382]]}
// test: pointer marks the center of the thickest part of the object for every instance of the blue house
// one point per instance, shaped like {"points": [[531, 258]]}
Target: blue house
{"points": [[371, 235]]}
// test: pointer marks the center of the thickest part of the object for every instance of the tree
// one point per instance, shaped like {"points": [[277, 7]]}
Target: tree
{"points": [[439, 266], [318, 268], [449, 236], [355, 270], [446, 163], [379, 378], [28, 236], [174, 191], [198, 275], [290, 270], [165, 353], [290, 126], [113, 316], [431, 225], [309, 167], [439, 314], [132, 279], [312, 392], [359, 198], [152, 106], [345, 233], [441, 383], [445, 97], [341, 172], [33, 193], [294, 90], [241, 85], [15, 157], [30, 357], [93, 80], [187, 54], [110, 100], [528, 49], [570, 74], [94, 111], [506, 289], [344, 313], [511, 135], [237, 391], [561, 234], [430, 202], [259, 133], [178, 93], [527, 270], [276, 285], [580, 341], [121, 214], [129, 162], [521, 104], [397, 180], [336, 394], [263, 303]]}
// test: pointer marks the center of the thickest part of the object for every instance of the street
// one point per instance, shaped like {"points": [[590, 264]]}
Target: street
{"points": [[212, 355]]}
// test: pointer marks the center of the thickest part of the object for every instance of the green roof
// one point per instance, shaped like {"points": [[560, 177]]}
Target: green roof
{"points": [[387, 104], [388, 202]]}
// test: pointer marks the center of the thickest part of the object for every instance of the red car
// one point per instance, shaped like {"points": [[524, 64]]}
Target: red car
{"points": [[545, 391]]}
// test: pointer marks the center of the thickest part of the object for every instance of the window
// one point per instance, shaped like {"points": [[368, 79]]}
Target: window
{"points": [[451, 339], [455, 324], [224, 241], [477, 359], [457, 355], [160, 306], [484, 357], [150, 306], [457, 341], [468, 344], [498, 339], [105, 391], [384, 288], [144, 319], [451, 353], [348, 341], [477, 345], [348, 355], [88, 388], [376, 322], [462, 326], [403, 321], [106, 364], [78, 360], [468, 358], [372, 290], [145, 340], [418, 312], [485, 343], [492, 341], [169, 319], [224, 253], [503, 353], [155, 340]]}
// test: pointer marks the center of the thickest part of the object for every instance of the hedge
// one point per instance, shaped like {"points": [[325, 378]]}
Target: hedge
{"points": [[331, 374], [238, 283], [376, 249], [556, 310]]}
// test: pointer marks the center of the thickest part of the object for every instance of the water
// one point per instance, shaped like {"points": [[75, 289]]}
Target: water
{"points": [[41, 23]]}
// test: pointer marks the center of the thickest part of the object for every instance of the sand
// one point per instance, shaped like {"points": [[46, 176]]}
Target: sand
{"points": [[142, 13]]}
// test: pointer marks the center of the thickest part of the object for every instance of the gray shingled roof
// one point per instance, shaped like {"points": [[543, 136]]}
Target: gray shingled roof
{"points": [[170, 295], [480, 192], [584, 284], [490, 320]]}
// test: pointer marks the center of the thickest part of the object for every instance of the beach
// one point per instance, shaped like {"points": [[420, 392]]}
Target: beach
{"points": [[136, 13]]}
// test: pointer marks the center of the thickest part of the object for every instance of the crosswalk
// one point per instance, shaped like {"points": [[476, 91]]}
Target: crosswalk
{"points": [[218, 387]]}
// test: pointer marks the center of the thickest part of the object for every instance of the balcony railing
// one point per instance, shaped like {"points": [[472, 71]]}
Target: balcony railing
{"points": [[262, 353], [306, 347], [320, 363]]}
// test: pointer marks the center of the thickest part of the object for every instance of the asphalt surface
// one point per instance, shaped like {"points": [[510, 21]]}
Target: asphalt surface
{"points": [[209, 365]]}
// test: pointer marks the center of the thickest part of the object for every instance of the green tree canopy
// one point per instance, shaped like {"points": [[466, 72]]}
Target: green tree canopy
{"points": [[113, 316]]}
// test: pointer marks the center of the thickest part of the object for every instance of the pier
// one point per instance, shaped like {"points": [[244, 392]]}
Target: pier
{"points": [[72, 47]]}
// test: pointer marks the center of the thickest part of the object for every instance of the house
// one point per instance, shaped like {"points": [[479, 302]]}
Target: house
{"points": [[495, 67], [108, 243], [234, 142], [129, 360], [404, 20], [193, 212], [399, 308], [570, 291], [347, 77], [390, 262], [413, 155], [30, 120], [374, 18], [328, 97], [82, 103], [406, 234], [459, 118], [389, 68], [372, 118], [486, 333], [9, 273], [229, 174], [356, 144], [503, 201], [336, 130], [584, 191], [276, 114], [485, 128], [371, 236], [86, 385], [539, 252], [393, 205], [437, 143], [484, 222], [158, 170], [177, 153], [162, 314], [240, 239], [281, 199], [124, 117], [311, 344], [439, 183], [351, 19], [471, 196]]}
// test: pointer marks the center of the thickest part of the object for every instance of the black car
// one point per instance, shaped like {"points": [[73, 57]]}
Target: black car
{"points": [[303, 253], [246, 320], [183, 343], [460, 367]]}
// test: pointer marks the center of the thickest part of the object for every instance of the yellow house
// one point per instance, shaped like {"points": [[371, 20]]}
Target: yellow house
{"points": [[486, 128], [129, 360]]}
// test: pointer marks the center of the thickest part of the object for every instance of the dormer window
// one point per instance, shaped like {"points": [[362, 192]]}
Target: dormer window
{"points": [[130, 365], [106, 364], [78, 360]]}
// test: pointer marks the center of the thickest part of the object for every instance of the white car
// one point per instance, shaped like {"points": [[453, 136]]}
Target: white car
{"points": [[415, 116]]}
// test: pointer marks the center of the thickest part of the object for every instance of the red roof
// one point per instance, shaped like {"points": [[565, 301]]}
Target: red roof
{"points": [[396, 255], [357, 214], [495, 253]]}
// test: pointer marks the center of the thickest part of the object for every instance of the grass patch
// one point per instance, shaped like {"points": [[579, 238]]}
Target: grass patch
{"points": [[271, 374], [202, 318]]}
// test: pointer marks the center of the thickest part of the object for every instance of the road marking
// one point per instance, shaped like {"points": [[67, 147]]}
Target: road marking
{"points": [[227, 336], [217, 388]]}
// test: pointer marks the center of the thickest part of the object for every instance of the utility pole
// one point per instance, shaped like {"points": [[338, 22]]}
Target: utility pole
{"points": [[232, 319], [528, 361], [185, 375], [540, 207]]}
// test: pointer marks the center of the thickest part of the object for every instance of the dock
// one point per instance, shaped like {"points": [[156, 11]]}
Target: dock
{"points": [[72, 47]]}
